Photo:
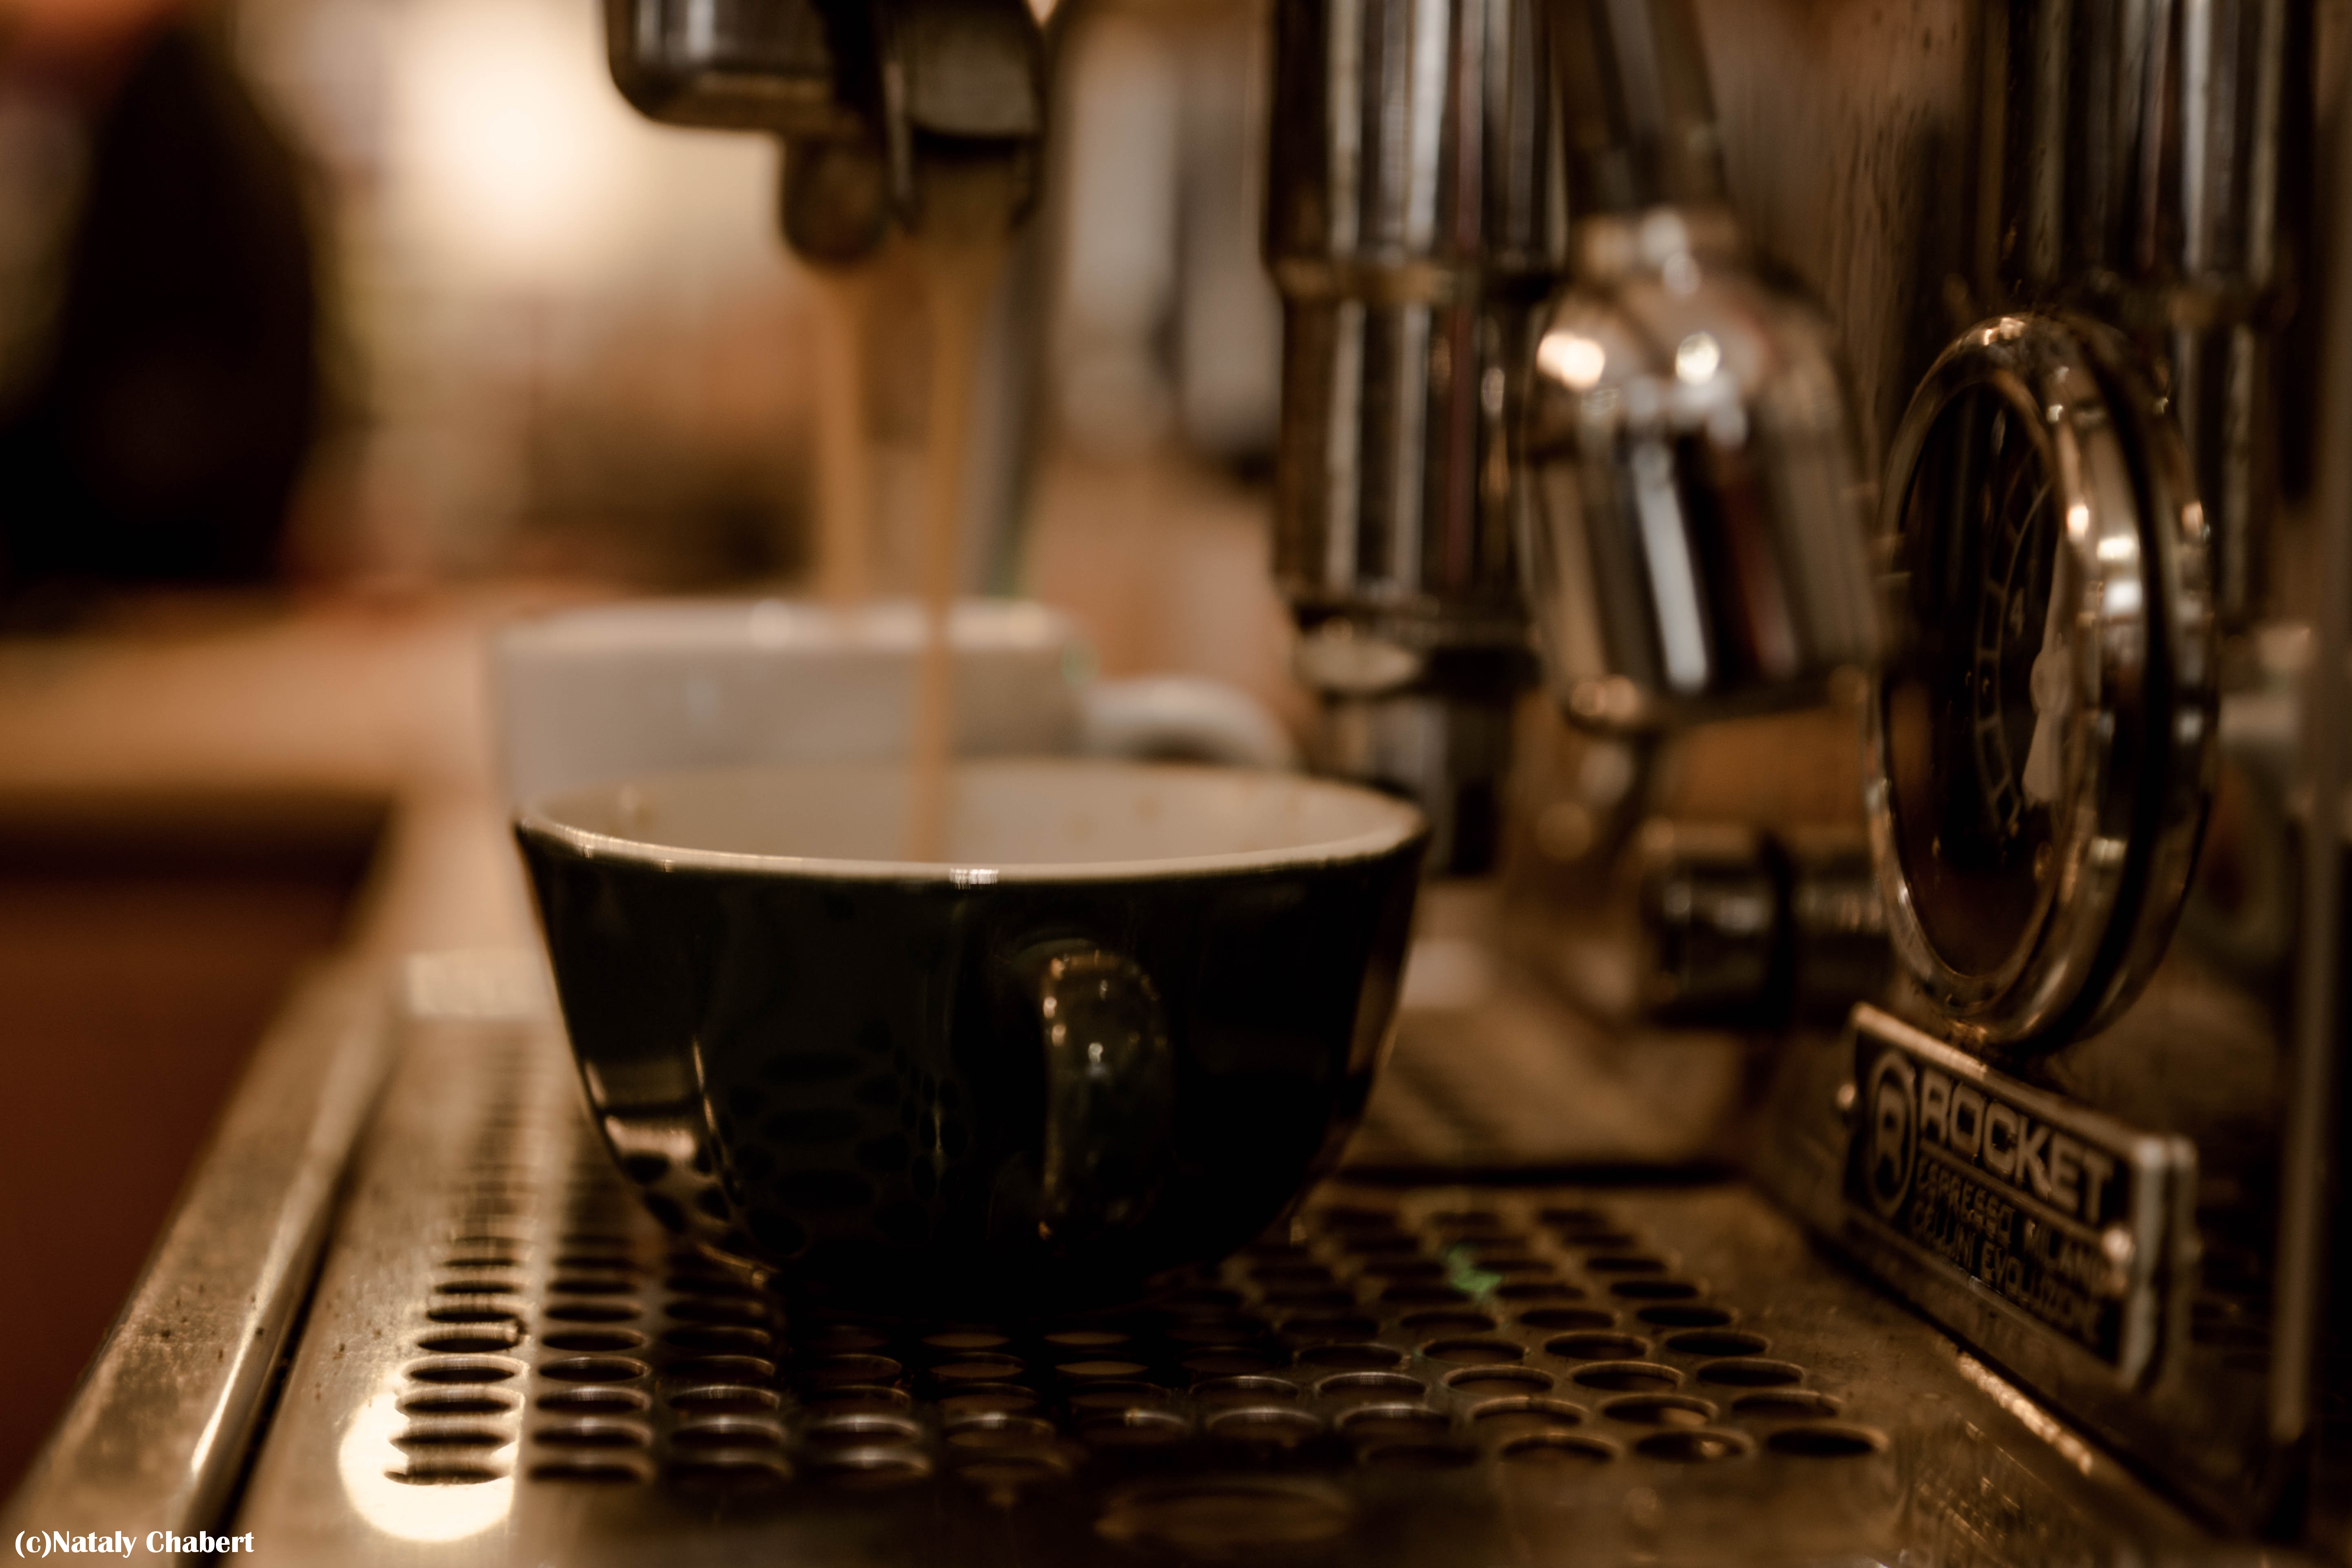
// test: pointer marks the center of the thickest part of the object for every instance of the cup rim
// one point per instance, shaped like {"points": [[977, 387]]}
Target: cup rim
{"points": [[1405, 825]]}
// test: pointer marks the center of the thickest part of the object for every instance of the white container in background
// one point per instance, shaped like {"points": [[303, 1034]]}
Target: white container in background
{"points": [[594, 695]]}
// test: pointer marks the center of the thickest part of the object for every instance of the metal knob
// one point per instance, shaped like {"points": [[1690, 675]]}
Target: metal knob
{"points": [[1753, 929]]}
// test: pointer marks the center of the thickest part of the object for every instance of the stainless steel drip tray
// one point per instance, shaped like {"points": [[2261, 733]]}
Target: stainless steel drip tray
{"points": [[506, 1361]]}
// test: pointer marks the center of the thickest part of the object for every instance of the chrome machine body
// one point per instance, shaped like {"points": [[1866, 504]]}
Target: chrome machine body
{"points": [[1415, 220], [2064, 236]]}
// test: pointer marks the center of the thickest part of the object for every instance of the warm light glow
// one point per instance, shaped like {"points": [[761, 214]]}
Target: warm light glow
{"points": [[1574, 360], [511, 149], [407, 1510], [1697, 359]]}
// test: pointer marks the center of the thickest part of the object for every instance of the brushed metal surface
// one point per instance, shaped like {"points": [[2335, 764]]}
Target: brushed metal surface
{"points": [[158, 1432]]}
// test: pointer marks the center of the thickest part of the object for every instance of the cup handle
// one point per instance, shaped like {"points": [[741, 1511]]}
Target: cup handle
{"points": [[1110, 1085]]}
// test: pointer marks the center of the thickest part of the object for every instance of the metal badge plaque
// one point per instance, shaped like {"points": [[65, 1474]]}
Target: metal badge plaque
{"points": [[2060, 1217]]}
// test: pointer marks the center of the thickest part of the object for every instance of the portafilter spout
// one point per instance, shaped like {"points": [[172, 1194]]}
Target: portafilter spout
{"points": [[880, 104]]}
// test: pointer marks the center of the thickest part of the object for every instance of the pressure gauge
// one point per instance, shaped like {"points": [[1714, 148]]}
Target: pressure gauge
{"points": [[2040, 747]]}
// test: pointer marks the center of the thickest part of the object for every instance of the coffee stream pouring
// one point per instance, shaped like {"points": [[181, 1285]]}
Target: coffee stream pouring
{"points": [[1692, 538], [1702, 558]]}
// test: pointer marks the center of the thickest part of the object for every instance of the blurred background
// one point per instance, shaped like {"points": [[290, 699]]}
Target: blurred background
{"points": [[382, 295]]}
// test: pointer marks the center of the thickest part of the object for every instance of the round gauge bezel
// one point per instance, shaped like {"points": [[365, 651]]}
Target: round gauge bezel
{"points": [[2137, 741]]}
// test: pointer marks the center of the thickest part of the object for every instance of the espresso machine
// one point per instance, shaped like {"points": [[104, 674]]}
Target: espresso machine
{"points": [[1962, 367], [2028, 1133]]}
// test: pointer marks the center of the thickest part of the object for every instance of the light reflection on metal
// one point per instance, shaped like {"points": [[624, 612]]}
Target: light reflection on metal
{"points": [[2035, 1419], [1574, 360], [1697, 358], [2131, 166], [407, 1509], [1694, 545]]}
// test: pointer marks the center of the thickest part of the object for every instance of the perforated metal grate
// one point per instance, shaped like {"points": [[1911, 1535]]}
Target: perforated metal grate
{"points": [[509, 1356]]}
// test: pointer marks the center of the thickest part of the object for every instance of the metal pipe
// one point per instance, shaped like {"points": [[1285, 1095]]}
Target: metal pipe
{"points": [[2131, 167], [2309, 1153], [1413, 220]]}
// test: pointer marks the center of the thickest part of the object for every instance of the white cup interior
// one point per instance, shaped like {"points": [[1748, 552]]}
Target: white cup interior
{"points": [[1027, 819]]}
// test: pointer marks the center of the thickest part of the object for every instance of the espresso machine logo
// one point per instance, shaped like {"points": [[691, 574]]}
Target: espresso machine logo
{"points": [[2044, 1206], [1893, 1120]]}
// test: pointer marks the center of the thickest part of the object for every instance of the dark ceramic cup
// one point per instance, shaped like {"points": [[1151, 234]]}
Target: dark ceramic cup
{"points": [[1126, 1026]]}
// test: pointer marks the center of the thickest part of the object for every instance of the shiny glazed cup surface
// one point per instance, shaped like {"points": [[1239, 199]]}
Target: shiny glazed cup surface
{"points": [[1125, 1025]]}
